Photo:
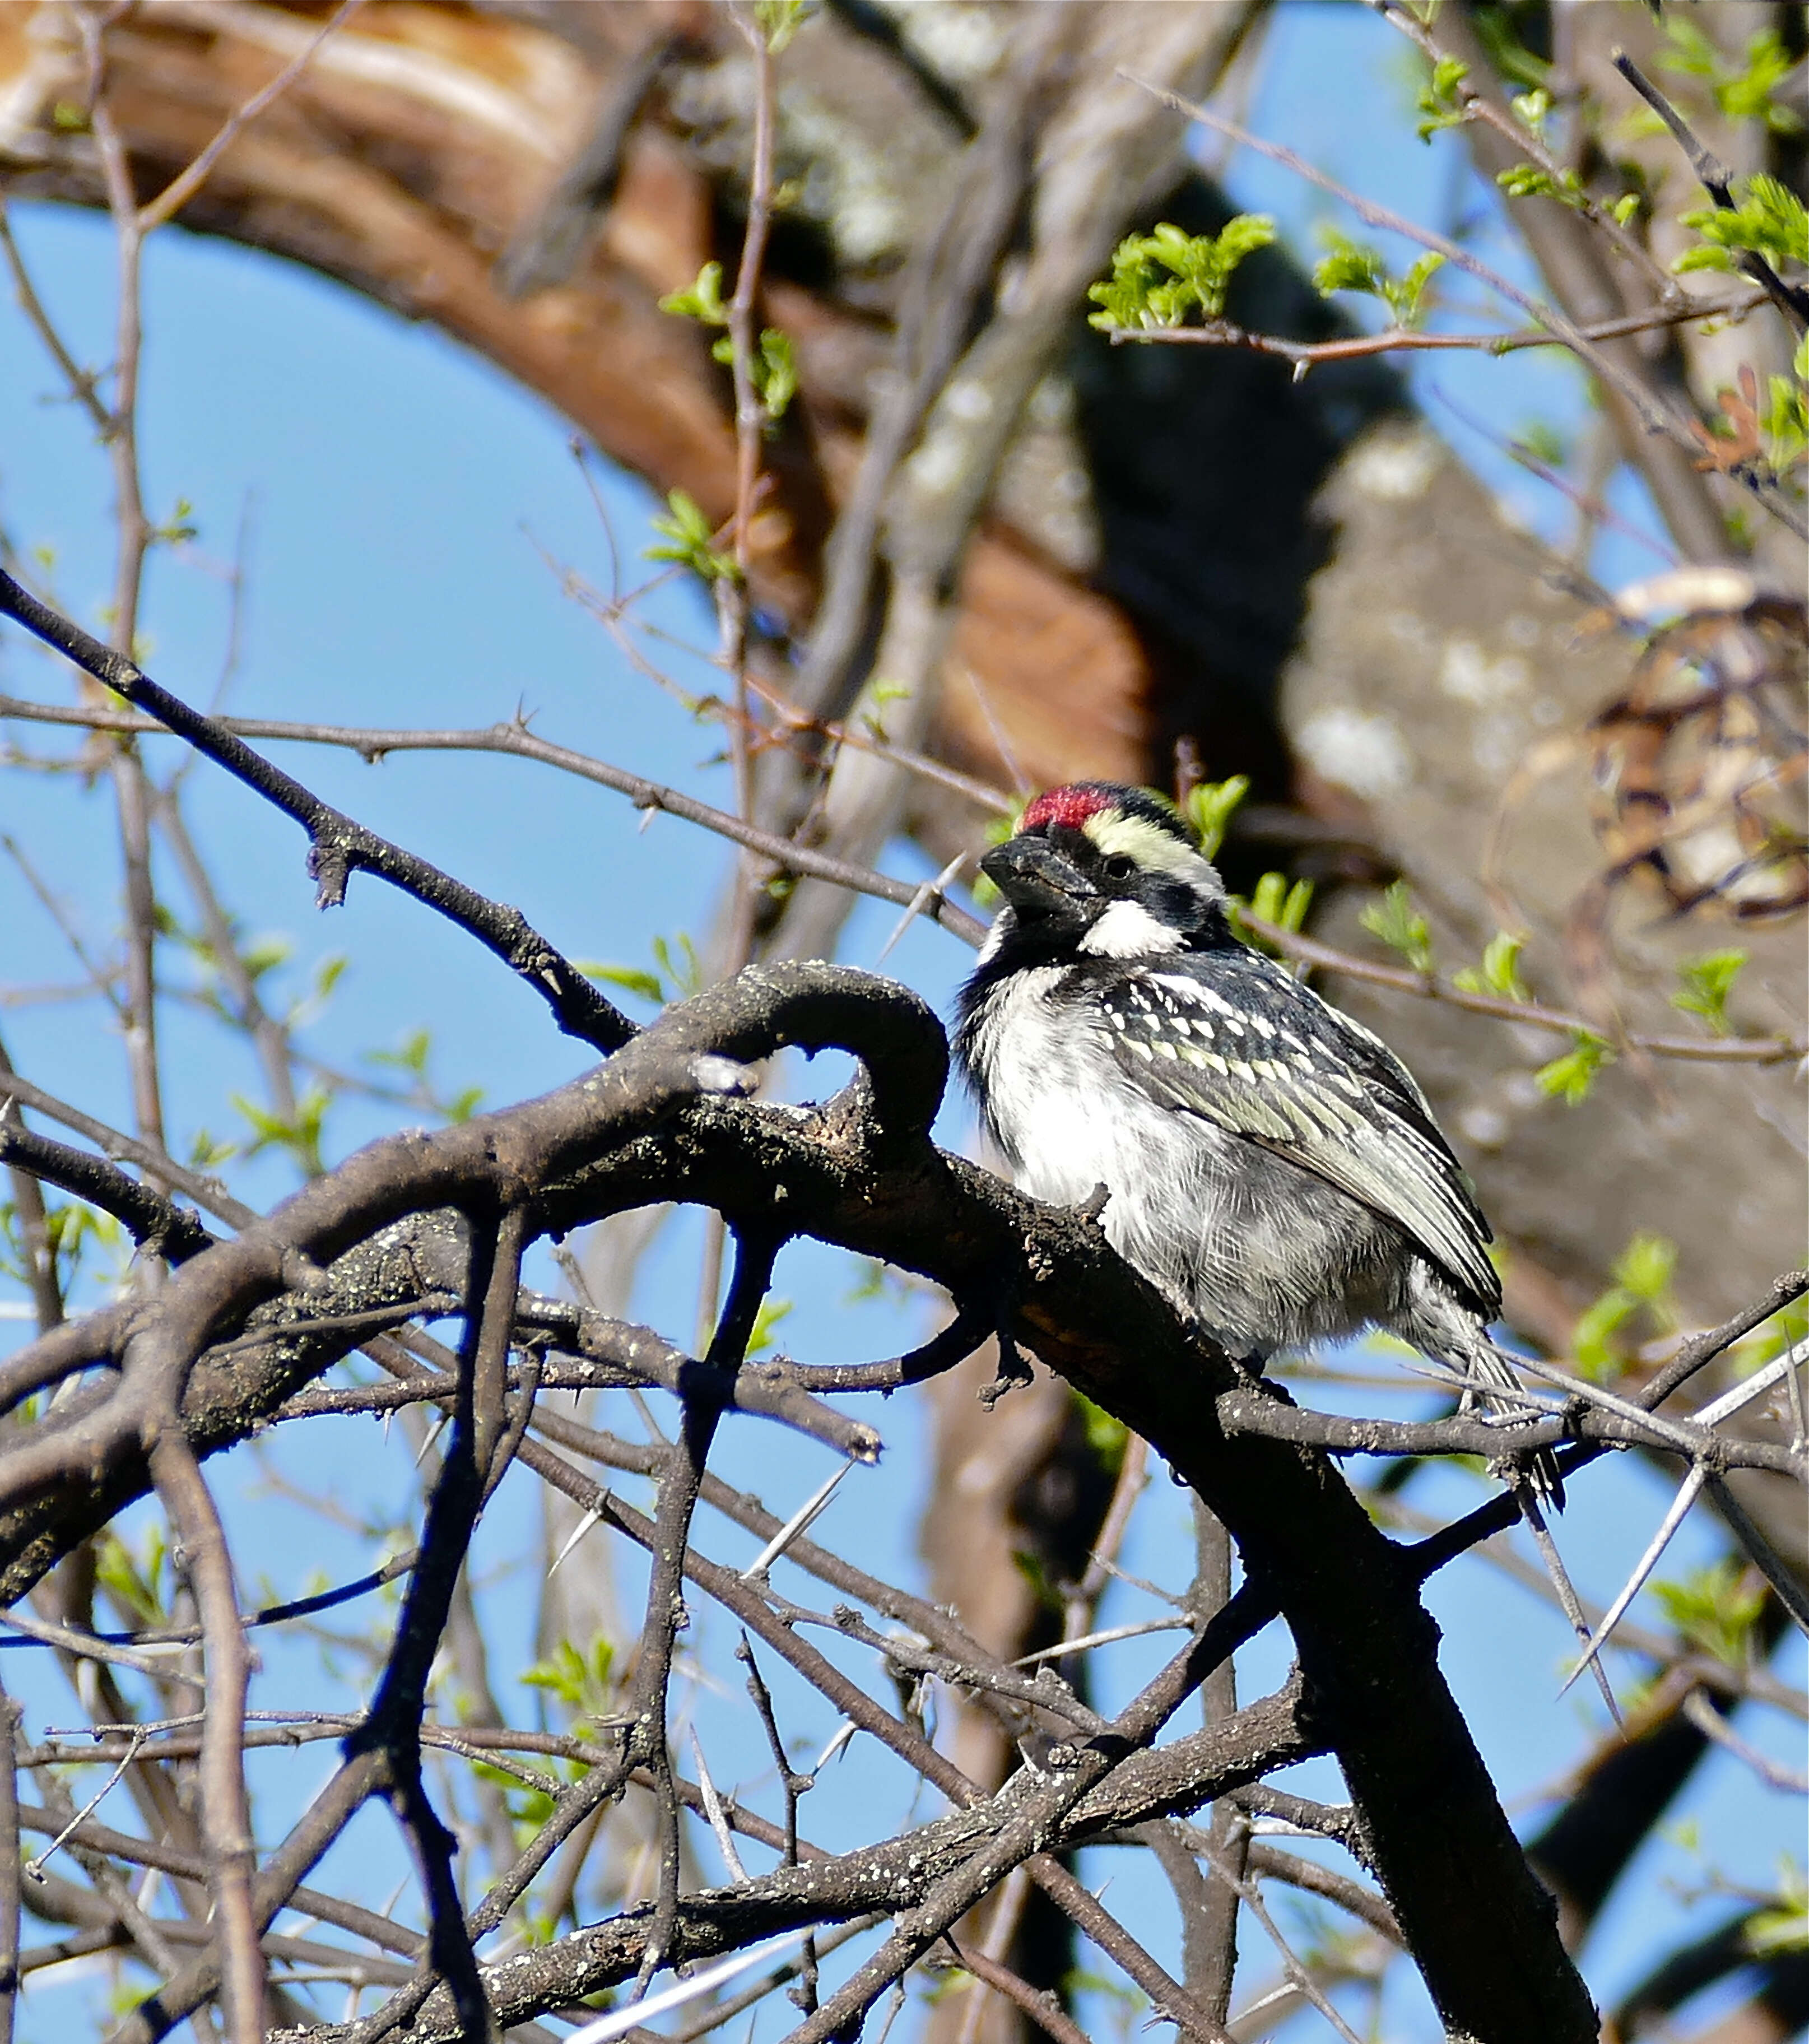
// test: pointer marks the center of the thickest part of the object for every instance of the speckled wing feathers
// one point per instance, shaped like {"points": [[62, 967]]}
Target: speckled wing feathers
{"points": [[1265, 1059]]}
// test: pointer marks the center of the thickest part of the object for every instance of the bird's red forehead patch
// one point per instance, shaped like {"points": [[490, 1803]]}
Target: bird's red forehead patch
{"points": [[1068, 806]]}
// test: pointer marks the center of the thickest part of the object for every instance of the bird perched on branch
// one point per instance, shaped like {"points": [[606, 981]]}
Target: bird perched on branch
{"points": [[1269, 1164]]}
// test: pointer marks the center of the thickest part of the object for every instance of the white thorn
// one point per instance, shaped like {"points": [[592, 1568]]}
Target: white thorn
{"points": [[799, 1523], [844, 1732], [714, 1810], [433, 1435], [1686, 1496], [932, 890], [578, 1531], [619, 2021]]}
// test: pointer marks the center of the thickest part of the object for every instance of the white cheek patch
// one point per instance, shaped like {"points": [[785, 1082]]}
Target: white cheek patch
{"points": [[1128, 930], [1003, 924]]}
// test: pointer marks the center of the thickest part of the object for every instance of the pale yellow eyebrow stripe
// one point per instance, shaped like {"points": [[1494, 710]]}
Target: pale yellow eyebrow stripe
{"points": [[1148, 843]]}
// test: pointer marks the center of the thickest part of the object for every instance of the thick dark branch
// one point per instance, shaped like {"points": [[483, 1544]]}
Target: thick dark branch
{"points": [[1453, 1872], [337, 847], [158, 1226], [885, 1879]]}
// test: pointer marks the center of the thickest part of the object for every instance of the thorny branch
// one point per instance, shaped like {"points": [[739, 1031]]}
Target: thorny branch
{"points": [[245, 1331]]}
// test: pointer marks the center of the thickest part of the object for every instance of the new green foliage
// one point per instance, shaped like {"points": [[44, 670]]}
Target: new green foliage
{"points": [[688, 537], [1159, 278], [1744, 88], [1643, 1278], [1499, 973], [774, 365], [1769, 220], [1353, 266], [1210, 807], [1570, 1077], [1400, 926], [1715, 1609], [1442, 104], [1707, 982]]}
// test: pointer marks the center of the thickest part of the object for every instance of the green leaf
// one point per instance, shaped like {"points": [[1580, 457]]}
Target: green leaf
{"points": [[1440, 105], [580, 1681], [703, 302], [1210, 807], [1159, 278], [1783, 1926], [1353, 266], [1106, 1435], [463, 1104], [630, 978], [1529, 181], [1715, 1609], [1400, 926], [1533, 109], [1544, 442], [1744, 89], [1769, 221], [778, 21], [1707, 981], [409, 1056], [767, 1317], [1645, 1269], [300, 1137], [689, 540], [178, 528], [682, 967], [773, 371], [1642, 1275], [1500, 972], [1274, 900], [1569, 1078], [776, 373], [140, 1585], [1593, 1339]]}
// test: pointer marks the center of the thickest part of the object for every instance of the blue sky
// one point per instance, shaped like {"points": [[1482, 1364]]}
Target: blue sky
{"points": [[401, 514]]}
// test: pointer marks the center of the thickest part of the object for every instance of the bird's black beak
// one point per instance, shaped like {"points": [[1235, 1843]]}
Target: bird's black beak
{"points": [[1038, 882]]}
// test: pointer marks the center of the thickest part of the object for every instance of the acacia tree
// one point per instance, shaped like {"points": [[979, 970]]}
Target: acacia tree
{"points": [[1269, 574]]}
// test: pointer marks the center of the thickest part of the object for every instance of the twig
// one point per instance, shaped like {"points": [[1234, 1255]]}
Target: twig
{"points": [[158, 1226], [83, 383], [794, 1786], [225, 1805], [1717, 178], [1307, 354], [35, 1865], [647, 795], [184, 186], [1170, 1999], [1478, 106], [9, 1891], [1039, 2004], [703, 1406], [1654, 416], [338, 846], [1428, 986], [1711, 1724], [391, 1734]]}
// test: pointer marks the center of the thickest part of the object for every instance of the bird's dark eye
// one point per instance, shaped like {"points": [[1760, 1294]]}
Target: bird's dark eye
{"points": [[1119, 868]]}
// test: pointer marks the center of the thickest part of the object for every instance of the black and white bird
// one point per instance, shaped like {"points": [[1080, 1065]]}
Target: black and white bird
{"points": [[1271, 1165]]}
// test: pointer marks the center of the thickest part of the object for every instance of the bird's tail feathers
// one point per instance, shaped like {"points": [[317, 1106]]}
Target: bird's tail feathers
{"points": [[1494, 1379]]}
